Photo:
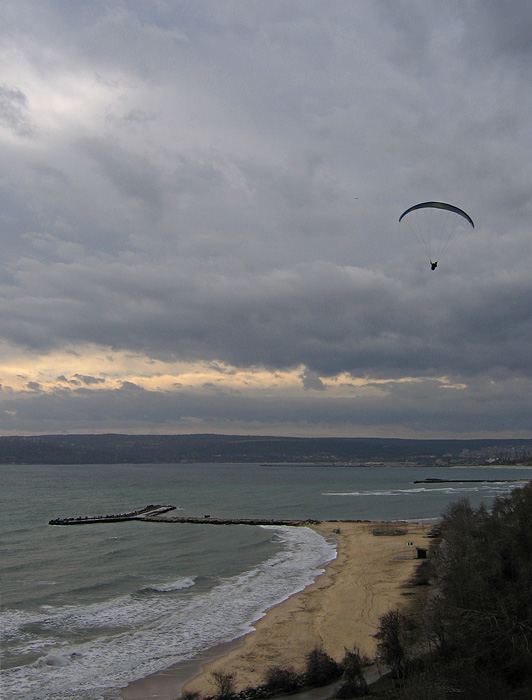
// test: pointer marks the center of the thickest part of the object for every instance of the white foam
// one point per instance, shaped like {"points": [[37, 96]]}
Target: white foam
{"points": [[389, 492], [152, 632], [177, 585], [57, 660], [456, 488]]}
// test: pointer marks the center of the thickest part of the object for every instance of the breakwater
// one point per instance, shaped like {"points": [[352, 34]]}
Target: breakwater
{"points": [[432, 480], [208, 520], [142, 514], [154, 514]]}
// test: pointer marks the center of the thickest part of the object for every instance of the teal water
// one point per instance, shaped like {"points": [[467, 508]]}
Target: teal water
{"points": [[87, 609]]}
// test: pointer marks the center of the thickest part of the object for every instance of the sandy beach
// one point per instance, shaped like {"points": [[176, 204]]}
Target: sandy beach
{"points": [[339, 610]]}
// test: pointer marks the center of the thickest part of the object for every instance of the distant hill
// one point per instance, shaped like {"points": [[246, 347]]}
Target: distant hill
{"points": [[138, 449]]}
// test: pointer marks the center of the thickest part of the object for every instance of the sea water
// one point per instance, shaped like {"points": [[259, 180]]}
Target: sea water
{"points": [[87, 609]]}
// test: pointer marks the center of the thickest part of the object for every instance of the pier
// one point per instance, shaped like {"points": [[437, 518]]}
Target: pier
{"points": [[154, 514]]}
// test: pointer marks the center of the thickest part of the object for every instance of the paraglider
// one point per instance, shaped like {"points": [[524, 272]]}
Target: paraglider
{"points": [[436, 225]]}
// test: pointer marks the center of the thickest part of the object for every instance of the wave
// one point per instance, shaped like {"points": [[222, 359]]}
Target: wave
{"points": [[118, 613], [131, 636], [390, 492], [494, 487], [170, 587]]}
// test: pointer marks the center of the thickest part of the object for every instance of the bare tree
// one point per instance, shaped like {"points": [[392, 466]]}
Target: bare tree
{"points": [[224, 682]]}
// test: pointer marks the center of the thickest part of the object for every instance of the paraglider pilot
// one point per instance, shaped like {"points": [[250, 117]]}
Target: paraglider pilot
{"points": [[426, 241]]}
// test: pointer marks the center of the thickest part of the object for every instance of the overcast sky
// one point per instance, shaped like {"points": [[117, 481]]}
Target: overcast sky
{"points": [[199, 205]]}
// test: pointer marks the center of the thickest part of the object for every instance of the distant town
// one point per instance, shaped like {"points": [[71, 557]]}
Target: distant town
{"points": [[189, 449]]}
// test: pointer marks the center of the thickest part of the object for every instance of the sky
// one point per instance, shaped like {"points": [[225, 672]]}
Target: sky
{"points": [[199, 204]]}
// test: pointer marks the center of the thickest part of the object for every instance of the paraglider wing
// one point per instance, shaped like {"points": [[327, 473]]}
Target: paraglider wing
{"points": [[439, 205], [436, 225]]}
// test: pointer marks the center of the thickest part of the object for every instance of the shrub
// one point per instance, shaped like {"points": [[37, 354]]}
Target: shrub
{"points": [[282, 680], [321, 668], [190, 695], [353, 680]]}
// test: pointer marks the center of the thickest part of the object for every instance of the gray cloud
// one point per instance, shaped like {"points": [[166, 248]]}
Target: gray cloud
{"points": [[88, 380], [327, 318], [221, 182], [408, 411], [13, 110], [311, 380]]}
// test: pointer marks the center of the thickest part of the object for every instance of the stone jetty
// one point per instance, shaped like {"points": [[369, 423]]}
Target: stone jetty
{"points": [[142, 514], [209, 520], [434, 480], [154, 514]]}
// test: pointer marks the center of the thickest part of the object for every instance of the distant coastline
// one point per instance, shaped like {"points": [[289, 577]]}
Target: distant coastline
{"points": [[264, 450]]}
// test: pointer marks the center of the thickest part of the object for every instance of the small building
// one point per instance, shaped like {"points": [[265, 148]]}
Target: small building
{"points": [[421, 552]]}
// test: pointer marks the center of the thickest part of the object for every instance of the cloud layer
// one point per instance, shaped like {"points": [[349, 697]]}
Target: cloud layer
{"points": [[199, 211]]}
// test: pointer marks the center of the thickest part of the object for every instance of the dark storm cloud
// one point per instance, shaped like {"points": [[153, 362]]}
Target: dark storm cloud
{"points": [[221, 182], [327, 318]]}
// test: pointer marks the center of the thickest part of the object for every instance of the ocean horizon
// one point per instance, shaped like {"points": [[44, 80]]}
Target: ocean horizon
{"points": [[88, 609]]}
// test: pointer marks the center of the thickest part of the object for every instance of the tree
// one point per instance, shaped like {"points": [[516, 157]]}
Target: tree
{"points": [[481, 612], [321, 669], [394, 636], [224, 683], [354, 682]]}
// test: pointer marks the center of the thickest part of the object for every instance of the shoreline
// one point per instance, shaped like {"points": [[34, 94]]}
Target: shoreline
{"points": [[340, 609]]}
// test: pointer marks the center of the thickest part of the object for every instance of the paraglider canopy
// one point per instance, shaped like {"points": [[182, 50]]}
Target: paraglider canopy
{"points": [[439, 205], [436, 225]]}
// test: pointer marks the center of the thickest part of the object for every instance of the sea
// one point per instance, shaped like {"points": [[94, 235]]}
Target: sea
{"points": [[87, 609]]}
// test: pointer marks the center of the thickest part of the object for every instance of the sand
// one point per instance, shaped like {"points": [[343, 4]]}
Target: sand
{"points": [[339, 610]]}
